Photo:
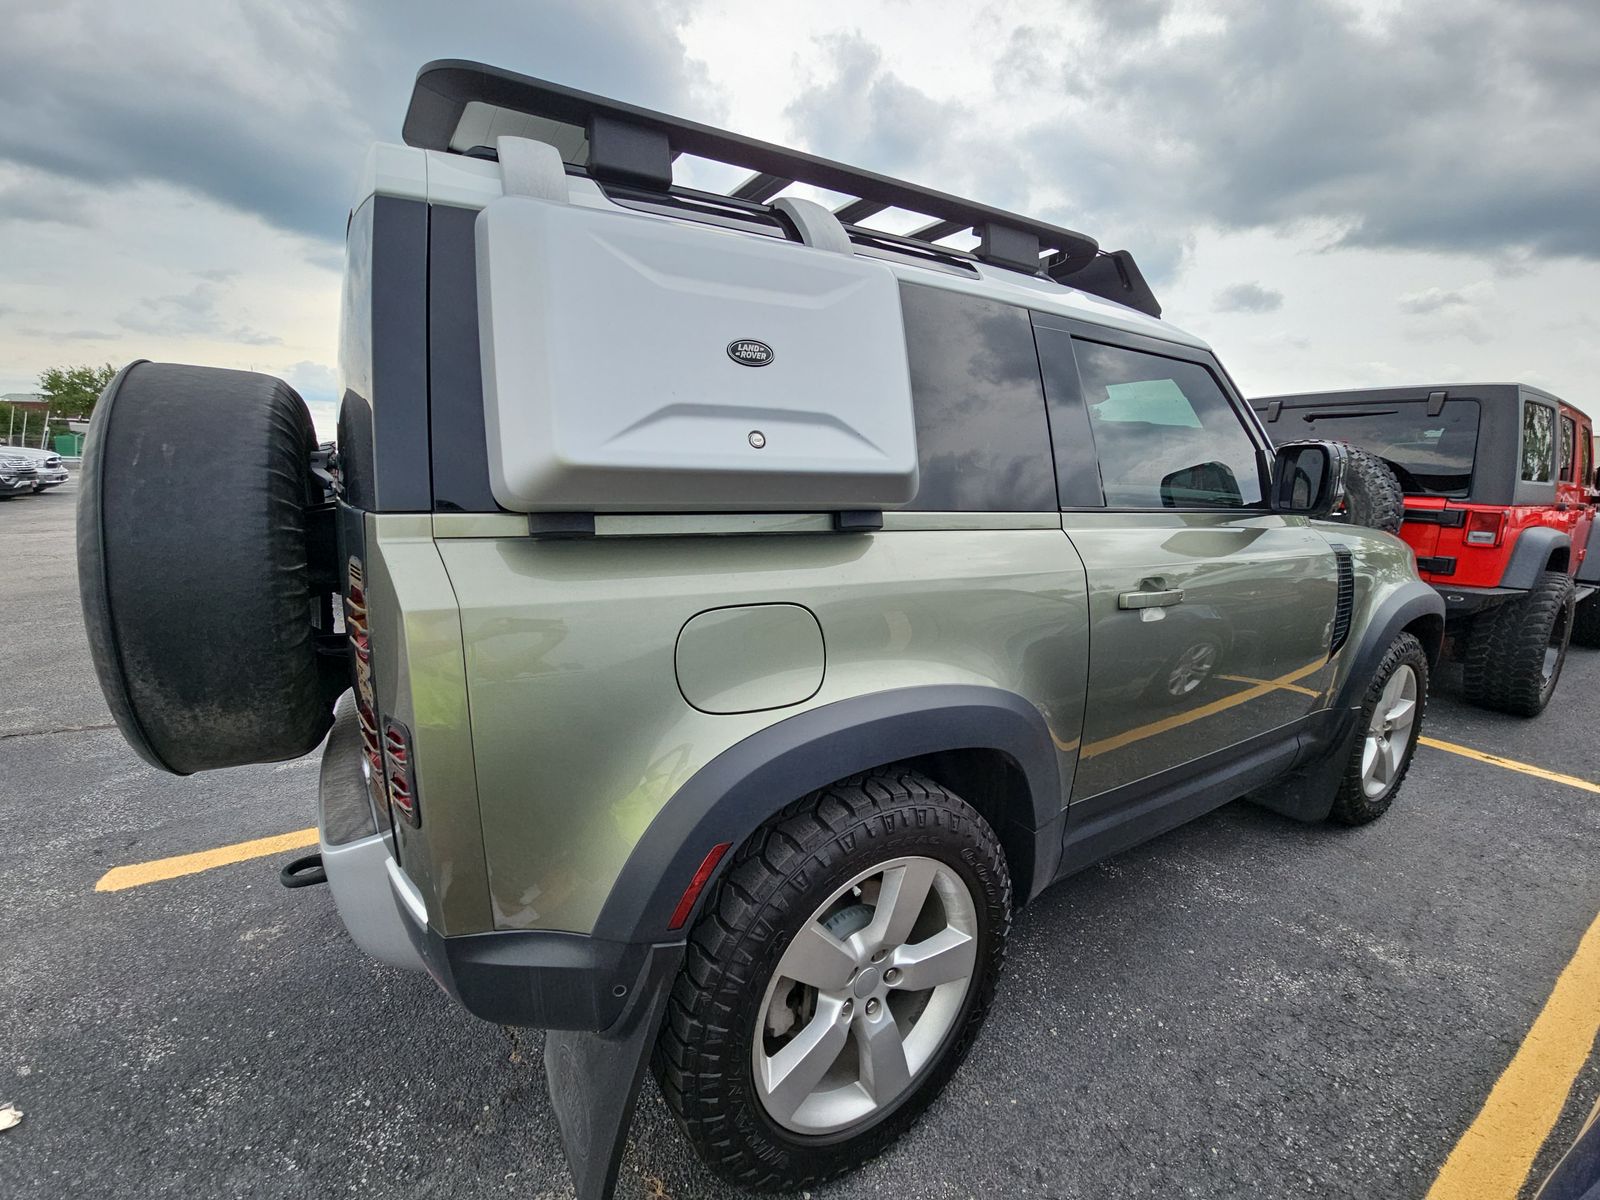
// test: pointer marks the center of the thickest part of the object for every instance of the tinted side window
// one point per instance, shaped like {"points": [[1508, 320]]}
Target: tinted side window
{"points": [[1569, 443], [1166, 434], [983, 442], [1538, 438]]}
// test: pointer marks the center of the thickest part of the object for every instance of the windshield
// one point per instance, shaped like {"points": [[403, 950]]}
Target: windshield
{"points": [[1431, 456]]}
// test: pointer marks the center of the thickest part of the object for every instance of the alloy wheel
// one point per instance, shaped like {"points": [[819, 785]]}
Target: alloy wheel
{"points": [[865, 996], [1388, 733]]}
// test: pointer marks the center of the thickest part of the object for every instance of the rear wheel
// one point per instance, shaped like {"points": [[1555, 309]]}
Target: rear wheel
{"points": [[1515, 653], [1586, 622], [835, 980]]}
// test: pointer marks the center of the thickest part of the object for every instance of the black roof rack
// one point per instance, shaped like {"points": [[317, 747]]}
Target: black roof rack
{"points": [[636, 146]]}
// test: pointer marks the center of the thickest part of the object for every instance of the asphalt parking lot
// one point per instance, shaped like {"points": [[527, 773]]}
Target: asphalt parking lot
{"points": [[1246, 1007]]}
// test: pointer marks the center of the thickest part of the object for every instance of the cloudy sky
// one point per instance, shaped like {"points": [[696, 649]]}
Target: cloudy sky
{"points": [[1333, 192]]}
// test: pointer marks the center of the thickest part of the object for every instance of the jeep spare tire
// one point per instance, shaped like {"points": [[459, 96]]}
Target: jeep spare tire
{"points": [[1373, 496], [199, 592]]}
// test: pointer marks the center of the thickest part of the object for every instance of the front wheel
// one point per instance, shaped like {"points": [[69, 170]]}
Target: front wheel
{"points": [[835, 981], [1390, 723]]}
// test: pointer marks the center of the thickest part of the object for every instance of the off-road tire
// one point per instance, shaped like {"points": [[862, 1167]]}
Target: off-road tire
{"points": [[1352, 805], [1503, 667], [787, 868], [1586, 622], [1373, 497]]}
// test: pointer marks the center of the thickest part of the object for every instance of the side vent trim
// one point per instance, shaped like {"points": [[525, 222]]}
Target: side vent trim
{"points": [[1345, 601]]}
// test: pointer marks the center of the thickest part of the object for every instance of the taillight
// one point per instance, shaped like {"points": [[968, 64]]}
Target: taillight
{"points": [[397, 763], [355, 627], [1485, 528]]}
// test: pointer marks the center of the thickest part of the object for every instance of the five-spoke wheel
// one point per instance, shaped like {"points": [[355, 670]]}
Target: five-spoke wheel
{"points": [[865, 995]]}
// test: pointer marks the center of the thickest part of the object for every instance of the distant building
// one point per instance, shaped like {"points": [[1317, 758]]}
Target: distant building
{"points": [[21, 428]]}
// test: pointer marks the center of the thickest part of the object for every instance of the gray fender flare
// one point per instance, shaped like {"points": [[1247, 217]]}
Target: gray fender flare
{"points": [[1307, 793], [729, 798], [1531, 554], [1409, 603]]}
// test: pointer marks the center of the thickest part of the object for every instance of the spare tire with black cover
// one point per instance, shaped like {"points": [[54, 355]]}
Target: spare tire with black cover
{"points": [[1373, 496], [195, 563]]}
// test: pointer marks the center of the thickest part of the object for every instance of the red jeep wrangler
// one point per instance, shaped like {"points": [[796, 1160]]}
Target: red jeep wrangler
{"points": [[1499, 493]]}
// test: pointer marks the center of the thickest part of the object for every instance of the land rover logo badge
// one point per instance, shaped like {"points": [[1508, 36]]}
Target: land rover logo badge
{"points": [[748, 352]]}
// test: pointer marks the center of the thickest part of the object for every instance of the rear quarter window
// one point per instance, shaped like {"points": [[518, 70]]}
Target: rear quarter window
{"points": [[1538, 442], [983, 440]]}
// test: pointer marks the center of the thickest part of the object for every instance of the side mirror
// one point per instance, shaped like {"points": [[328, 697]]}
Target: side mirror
{"points": [[1308, 478]]}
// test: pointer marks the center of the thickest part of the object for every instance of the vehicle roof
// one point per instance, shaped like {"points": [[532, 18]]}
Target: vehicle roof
{"points": [[1420, 391]]}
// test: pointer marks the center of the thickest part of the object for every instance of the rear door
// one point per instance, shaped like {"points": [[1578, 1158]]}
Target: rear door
{"points": [[1209, 614]]}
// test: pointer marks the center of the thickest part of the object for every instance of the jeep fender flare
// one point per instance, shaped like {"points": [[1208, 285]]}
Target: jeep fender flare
{"points": [[1531, 555], [728, 798]]}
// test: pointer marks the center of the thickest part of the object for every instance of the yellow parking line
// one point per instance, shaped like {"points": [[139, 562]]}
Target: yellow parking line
{"points": [[1511, 764], [1494, 1156], [137, 874]]}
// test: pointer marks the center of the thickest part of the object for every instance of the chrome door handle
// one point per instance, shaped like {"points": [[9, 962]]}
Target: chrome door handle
{"points": [[1150, 599]]}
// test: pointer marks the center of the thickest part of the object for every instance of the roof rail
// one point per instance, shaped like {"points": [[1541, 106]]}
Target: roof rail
{"points": [[622, 144]]}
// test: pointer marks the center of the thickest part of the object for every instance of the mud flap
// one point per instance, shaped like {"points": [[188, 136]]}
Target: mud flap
{"points": [[1307, 793], [594, 1078]]}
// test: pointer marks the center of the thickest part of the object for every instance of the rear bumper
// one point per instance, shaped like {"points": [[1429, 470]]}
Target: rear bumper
{"points": [[358, 876], [356, 856], [538, 978]]}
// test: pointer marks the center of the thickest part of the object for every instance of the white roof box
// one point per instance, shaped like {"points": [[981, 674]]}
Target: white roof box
{"points": [[634, 363]]}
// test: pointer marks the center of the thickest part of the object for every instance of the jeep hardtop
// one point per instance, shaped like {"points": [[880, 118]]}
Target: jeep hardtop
{"points": [[1499, 492], [724, 610]]}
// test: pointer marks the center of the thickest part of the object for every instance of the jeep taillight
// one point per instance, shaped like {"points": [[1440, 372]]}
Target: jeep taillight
{"points": [[397, 761], [1485, 528]]}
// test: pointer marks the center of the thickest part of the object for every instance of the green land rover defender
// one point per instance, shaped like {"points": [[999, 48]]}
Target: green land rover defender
{"points": [[722, 612]]}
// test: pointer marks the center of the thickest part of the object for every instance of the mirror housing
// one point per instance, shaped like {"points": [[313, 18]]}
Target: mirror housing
{"points": [[1308, 478]]}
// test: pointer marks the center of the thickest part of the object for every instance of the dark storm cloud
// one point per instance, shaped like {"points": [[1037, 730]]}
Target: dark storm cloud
{"points": [[268, 109], [1466, 126], [1249, 297]]}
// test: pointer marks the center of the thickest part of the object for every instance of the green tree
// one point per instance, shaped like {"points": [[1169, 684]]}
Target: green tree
{"points": [[72, 391]]}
